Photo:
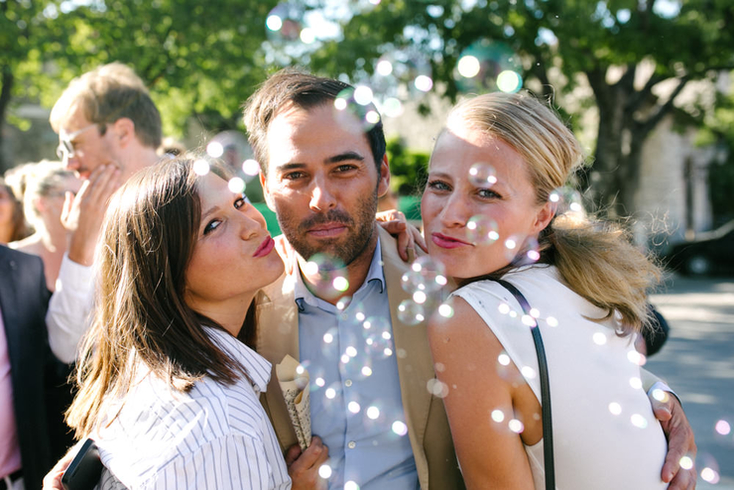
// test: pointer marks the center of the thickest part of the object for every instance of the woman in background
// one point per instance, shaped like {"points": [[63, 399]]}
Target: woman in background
{"points": [[12, 221], [587, 290], [46, 184]]}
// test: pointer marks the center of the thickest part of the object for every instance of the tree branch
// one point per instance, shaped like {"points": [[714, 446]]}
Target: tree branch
{"points": [[663, 109]]}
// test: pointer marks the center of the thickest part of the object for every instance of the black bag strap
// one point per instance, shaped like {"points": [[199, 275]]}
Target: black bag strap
{"points": [[550, 477]]}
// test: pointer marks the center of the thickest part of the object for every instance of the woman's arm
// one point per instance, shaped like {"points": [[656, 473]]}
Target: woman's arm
{"points": [[465, 353]]}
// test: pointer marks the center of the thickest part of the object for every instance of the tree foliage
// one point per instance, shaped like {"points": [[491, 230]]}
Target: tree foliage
{"points": [[197, 58], [636, 56]]}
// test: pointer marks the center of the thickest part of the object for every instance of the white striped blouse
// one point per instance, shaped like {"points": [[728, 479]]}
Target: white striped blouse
{"points": [[214, 437]]}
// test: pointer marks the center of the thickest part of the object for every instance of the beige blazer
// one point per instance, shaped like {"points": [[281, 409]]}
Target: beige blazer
{"points": [[428, 428]]}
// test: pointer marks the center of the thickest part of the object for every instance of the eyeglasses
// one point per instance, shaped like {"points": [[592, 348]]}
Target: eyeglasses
{"points": [[66, 146]]}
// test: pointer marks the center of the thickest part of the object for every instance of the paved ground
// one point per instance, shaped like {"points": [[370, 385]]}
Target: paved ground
{"points": [[698, 362]]}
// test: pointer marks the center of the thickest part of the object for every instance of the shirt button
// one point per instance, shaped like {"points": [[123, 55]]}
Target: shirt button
{"points": [[348, 383], [351, 444]]}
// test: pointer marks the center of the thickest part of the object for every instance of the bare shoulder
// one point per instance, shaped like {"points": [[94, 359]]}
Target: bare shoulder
{"points": [[462, 333]]}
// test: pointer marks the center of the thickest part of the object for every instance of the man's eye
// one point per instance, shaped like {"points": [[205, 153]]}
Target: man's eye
{"points": [[294, 175], [345, 168]]}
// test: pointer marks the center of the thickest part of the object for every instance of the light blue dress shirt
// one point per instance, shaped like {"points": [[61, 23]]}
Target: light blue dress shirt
{"points": [[356, 406]]}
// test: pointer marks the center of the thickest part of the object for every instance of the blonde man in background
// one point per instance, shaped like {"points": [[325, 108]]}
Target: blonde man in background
{"points": [[109, 129]]}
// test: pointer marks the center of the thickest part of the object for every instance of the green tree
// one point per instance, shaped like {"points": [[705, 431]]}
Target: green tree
{"points": [[197, 58], [637, 56]]}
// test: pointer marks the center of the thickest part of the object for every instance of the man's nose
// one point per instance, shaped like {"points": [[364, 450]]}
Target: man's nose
{"points": [[322, 197]]}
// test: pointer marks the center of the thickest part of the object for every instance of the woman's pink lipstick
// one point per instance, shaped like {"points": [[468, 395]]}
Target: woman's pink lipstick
{"points": [[265, 248], [444, 241]]}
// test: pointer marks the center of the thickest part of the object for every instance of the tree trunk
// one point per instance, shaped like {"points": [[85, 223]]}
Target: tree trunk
{"points": [[6, 85]]}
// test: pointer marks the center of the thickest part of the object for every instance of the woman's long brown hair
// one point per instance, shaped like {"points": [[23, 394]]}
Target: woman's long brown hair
{"points": [[140, 316]]}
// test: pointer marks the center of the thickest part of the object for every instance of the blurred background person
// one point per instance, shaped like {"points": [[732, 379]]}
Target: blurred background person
{"points": [[171, 147], [109, 129], [32, 432], [12, 222], [46, 185]]}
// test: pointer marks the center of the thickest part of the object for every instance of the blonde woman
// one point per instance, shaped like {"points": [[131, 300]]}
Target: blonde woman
{"points": [[588, 291], [46, 185]]}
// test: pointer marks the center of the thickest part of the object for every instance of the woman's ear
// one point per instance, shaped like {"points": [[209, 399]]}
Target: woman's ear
{"points": [[544, 216]]}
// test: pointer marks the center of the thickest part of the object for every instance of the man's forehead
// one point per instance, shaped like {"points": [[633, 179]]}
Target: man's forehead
{"points": [[74, 120]]}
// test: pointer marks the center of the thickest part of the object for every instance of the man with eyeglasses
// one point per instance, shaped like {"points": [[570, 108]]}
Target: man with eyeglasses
{"points": [[109, 129]]}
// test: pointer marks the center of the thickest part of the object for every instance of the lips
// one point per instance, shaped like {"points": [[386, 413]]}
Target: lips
{"points": [[265, 247], [445, 241], [327, 230]]}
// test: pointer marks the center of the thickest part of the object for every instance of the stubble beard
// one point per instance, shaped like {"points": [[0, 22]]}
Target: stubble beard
{"points": [[347, 248]]}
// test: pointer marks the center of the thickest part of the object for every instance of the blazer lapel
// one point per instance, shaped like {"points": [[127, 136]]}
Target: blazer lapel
{"points": [[415, 364], [277, 336]]}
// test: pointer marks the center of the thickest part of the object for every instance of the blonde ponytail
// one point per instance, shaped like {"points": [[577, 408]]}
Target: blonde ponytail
{"points": [[598, 262]]}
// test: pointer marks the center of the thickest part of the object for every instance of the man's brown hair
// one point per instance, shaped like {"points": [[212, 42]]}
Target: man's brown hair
{"points": [[305, 91]]}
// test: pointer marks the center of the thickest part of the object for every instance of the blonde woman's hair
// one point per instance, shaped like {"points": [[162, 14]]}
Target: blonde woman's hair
{"points": [[595, 258], [41, 180]]}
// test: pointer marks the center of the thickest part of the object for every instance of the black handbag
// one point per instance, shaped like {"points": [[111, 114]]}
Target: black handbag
{"points": [[545, 402]]}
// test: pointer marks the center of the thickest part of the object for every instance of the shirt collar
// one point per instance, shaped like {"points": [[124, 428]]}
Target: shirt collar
{"points": [[375, 273]]}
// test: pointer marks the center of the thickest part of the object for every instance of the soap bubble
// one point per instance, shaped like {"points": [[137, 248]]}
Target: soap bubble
{"points": [[357, 102], [426, 275], [332, 275], [481, 230], [284, 23], [411, 313], [482, 175], [488, 65], [567, 200]]}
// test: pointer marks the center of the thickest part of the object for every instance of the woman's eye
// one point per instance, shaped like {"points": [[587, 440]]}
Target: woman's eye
{"points": [[211, 226], [240, 202], [438, 185], [488, 194]]}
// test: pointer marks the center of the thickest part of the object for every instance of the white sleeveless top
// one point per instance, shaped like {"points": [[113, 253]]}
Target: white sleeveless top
{"points": [[605, 434]]}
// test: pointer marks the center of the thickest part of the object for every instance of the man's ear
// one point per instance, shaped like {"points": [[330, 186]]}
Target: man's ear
{"points": [[266, 191], [124, 131], [383, 183]]}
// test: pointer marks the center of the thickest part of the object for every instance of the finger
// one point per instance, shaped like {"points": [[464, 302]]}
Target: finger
{"points": [[393, 227], [684, 480], [105, 183], [389, 215], [311, 455], [112, 184], [419, 240], [292, 454], [662, 413], [404, 243], [66, 208]]}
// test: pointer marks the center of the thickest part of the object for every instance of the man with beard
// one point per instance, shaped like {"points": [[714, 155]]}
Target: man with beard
{"points": [[322, 172], [323, 167]]}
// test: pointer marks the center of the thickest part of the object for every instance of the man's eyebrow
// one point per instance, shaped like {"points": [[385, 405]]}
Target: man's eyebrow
{"points": [[290, 166], [342, 157]]}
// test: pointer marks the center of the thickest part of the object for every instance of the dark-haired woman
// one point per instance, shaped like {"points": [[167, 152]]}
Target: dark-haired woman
{"points": [[166, 389]]}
